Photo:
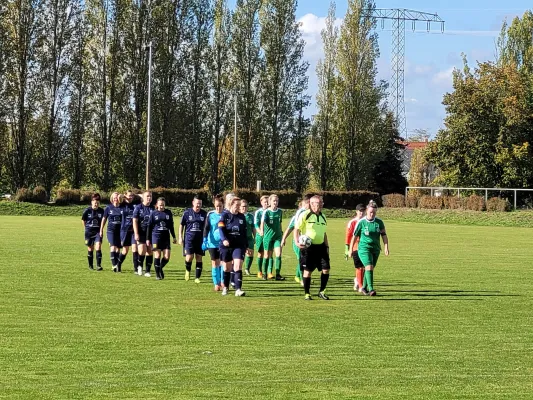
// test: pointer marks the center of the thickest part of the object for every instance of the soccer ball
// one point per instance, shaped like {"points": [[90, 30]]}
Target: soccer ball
{"points": [[304, 240]]}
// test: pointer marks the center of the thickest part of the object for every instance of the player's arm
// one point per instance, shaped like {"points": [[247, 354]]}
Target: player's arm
{"points": [[348, 240], [286, 234], [181, 229], [222, 231], [104, 220], [352, 244], [84, 219], [149, 230], [136, 223], [171, 228], [326, 241], [385, 239]]}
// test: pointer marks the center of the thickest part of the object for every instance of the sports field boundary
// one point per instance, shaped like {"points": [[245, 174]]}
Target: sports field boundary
{"points": [[522, 219]]}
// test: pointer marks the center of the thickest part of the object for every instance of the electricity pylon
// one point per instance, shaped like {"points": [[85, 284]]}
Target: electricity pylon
{"points": [[398, 17]]}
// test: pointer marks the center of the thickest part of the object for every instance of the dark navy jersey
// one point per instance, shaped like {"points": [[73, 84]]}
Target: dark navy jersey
{"points": [[232, 227], [93, 219], [127, 216], [161, 224], [142, 213], [114, 218], [194, 225]]}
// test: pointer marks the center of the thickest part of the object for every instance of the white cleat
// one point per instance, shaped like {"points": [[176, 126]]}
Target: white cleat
{"points": [[140, 271], [247, 272], [224, 291], [147, 275], [355, 285], [240, 293]]}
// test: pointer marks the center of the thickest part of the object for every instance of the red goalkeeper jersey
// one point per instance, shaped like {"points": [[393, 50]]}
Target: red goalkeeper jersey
{"points": [[349, 233]]}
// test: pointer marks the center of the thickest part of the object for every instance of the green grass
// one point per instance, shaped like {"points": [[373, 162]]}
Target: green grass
{"points": [[452, 320]]}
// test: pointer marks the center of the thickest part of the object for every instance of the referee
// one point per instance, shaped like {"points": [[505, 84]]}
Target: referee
{"points": [[313, 223]]}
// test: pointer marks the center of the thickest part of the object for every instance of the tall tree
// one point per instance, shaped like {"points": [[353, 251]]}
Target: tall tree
{"points": [[514, 43], [221, 84], [21, 24], [284, 78], [54, 59], [326, 73], [360, 97], [247, 65]]}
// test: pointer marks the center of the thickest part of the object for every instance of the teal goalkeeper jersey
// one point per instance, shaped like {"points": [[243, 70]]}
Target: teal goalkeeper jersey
{"points": [[369, 233]]}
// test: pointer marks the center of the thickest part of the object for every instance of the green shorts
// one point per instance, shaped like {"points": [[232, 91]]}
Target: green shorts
{"points": [[271, 242], [259, 243], [250, 243], [368, 257]]}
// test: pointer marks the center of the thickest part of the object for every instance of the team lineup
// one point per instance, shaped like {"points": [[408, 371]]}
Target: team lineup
{"points": [[231, 235]]}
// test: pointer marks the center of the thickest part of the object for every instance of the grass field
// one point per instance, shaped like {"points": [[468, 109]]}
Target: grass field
{"points": [[453, 320]]}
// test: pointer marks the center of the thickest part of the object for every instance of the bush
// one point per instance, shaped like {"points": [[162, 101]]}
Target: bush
{"points": [[24, 194], [431, 202], [454, 202], [179, 197], [394, 200], [475, 203], [287, 198], [348, 200], [411, 200], [68, 196], [498, 204], [40, 195]]}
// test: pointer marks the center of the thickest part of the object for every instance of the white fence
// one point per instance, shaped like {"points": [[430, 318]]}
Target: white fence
{"points": [[437, 191]]}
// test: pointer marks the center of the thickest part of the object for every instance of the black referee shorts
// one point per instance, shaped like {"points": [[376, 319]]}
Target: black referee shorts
{"points": [[314, 257]]}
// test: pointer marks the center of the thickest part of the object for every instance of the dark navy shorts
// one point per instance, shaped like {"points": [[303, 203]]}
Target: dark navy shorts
{"points": [[214, 253], [142, 237], [228, 254], [160, 243], [113, 237], [126, 238], [91, 238], [190, 248]]}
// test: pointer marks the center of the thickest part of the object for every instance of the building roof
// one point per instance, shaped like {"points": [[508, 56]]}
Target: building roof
{"points": [[414, 145]]}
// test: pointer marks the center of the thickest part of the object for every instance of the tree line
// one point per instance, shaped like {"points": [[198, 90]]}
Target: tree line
{"points": [[73, 98]]}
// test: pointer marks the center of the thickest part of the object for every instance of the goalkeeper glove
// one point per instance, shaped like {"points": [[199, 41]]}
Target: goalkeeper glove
{"points": [[204, 245], [346, 251]]}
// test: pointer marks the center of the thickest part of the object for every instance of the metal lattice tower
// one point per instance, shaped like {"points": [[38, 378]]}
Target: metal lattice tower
{"points": [[398, 17]]}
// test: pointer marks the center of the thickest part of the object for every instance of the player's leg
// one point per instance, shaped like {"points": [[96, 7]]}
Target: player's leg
{"points": [[113, 250], [157, 262], [359, 272], [189, 256], [98, 248], [141, 248], [238, 261], [249, 257], [215, 263], [298, 273], [135, 256], [307, 266], [125, 243], [277, 258], [324, 276], [149, 260], [226, 257], [165, 260], [369, 273], [259, 250], [90, 254], [199, 264]]}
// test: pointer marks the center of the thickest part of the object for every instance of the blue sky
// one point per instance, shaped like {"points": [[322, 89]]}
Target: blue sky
{"points": [[471, 27]]}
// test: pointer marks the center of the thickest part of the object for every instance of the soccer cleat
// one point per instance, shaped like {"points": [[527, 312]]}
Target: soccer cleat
{"points": [[187, 275], [270, 275], [247, 272], [99, 268], [197, 280], [240, 293], [363, 291], [91, 267], [147, 274], [280, 278], [217, 288], [260, 275], [140, 271], [296, 279], [323, 296], [372, 293], [355, 285], [115, 268], [224, 291], [119, 268], [308, 297], [264, 277]]}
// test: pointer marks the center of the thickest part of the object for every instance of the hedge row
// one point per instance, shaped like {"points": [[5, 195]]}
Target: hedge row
{"points": [[472, 203], [184, 197]]}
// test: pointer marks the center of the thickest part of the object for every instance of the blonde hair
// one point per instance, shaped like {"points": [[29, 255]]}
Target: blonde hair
{"points": [[234, 200], [273, 196], [263, 197], [115, 194]]}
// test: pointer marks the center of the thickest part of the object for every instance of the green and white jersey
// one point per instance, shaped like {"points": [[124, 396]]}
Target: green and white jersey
{"points": [[272, 222], [369, 233], [249, 225], [257, 217], [292, 223]]}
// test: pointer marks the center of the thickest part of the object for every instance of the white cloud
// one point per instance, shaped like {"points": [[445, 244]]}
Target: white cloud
{"points": [[443, 78]]}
